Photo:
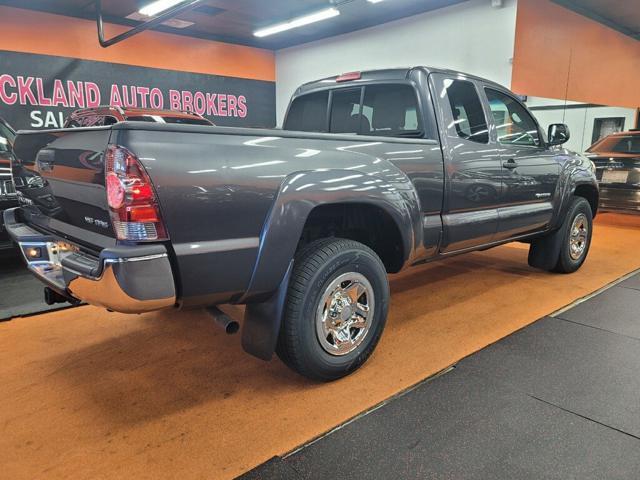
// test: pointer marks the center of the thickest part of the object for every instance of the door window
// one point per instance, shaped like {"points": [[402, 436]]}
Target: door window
{"points": [[308, 113], [514, 124], [468, 115]]}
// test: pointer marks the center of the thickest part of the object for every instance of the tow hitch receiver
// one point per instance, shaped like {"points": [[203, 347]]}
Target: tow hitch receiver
{"points": [[51, 297]]}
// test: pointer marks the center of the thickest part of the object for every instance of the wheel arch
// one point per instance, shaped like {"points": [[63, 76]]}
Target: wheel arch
{"points": [[303, 200], [304, 197], [590, 193]]}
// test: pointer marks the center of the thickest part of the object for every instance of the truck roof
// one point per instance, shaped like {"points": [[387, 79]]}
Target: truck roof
{"points": [[398, 73]]}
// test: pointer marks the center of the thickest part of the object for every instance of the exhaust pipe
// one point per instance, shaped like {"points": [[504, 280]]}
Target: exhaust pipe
{"points": [[224, 321]]}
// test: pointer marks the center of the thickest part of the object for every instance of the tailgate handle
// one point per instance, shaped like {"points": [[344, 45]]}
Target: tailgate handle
{"points": [[45, 160]]}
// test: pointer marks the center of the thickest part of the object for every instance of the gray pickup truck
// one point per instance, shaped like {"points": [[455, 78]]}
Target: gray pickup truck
{"points": [[373, 172]]}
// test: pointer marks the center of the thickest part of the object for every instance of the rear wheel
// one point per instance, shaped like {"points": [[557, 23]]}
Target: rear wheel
{"points": [[336, 309]]}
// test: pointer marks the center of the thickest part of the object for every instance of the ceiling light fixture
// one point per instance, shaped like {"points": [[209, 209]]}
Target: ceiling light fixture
{"points": [[158, 6], [374, 1], [298, 22]]}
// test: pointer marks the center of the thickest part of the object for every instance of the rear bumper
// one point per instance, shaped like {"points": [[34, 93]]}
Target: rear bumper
{"points": [[619, 199], [127, 279]]}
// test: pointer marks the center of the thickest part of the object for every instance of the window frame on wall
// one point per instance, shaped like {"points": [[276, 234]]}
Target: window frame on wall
{"points": [[541, 137]]}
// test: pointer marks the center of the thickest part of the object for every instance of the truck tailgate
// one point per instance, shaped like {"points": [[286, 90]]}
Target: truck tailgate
{"points": [[59, 176]]}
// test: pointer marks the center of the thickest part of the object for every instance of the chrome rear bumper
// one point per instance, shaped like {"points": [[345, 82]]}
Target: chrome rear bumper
{"points": [[132, 279]]}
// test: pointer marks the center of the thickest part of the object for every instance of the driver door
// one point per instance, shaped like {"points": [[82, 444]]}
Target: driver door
{"points": [[530, 169]]}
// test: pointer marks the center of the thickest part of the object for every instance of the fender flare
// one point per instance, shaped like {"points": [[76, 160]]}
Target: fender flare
{"points": [[266, 293], [575, 174]]}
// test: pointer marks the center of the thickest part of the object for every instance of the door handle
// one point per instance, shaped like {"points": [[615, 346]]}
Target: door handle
{"points": [[510, 164]]}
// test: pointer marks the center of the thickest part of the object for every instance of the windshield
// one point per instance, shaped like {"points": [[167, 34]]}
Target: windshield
{"points": [[617, 144], [7, 137], [165, 119]]}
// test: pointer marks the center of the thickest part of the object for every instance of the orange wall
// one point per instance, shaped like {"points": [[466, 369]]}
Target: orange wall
{"points": [[43, 33], [554, 44]]}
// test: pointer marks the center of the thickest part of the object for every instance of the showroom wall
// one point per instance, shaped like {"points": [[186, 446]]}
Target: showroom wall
{"points": [[561, 54], [50, 65], [434, 38], [587, 122]]}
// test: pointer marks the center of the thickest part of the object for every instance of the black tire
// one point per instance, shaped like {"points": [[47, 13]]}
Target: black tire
{"points": [[316, 266], [566, 263], [553, 252]]}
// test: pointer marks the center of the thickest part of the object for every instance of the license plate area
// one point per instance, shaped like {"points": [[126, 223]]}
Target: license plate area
{"points": [[615, 176], [58, 250], [47, 255]]}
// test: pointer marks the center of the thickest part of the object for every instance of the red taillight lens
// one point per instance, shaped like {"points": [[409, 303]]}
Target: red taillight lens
{"points": [[133, 205]]}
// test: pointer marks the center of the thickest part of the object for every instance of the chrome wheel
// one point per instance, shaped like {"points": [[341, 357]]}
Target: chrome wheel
{"points": [[345, 313], [578, 236]]}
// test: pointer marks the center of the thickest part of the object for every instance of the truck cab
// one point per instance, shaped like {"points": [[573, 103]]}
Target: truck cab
{"points": [[497, 172]]}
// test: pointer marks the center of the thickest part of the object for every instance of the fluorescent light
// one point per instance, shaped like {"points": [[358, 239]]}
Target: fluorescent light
{"points": [[298, 22], [374, 1], [158, 6]]}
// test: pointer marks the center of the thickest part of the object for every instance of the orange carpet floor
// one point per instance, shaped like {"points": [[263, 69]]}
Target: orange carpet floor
{"points": [[89, 394]]}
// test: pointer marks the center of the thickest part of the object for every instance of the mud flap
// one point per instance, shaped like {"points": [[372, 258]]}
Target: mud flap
{"points": [[545, 252], [262, 321]]}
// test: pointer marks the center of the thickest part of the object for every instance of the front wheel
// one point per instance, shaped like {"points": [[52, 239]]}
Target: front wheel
{"points": [[336, 309], [565, 250]]}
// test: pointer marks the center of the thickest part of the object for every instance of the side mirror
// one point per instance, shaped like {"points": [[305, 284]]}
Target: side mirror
{"points": [[558, 134]]}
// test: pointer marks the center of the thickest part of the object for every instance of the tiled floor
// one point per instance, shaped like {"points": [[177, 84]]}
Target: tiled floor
{"points": [[558, 399]]}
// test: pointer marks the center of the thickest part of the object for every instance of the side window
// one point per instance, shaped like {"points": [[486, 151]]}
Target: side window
{"points": [[391, 111], [468, 115], [514, 124], [308, 113], [345, 111]]}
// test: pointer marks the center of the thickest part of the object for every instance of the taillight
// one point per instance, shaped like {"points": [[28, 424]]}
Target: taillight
{"points": [[132, 201]]}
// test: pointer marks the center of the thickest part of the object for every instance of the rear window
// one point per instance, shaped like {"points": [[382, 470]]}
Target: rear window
{"points": [[308, 113], [345, 111], [387, 110], [391, 111], [618, 144]]}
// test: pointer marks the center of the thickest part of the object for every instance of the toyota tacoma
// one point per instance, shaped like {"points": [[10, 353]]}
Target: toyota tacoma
{"points": [[373, 172]]}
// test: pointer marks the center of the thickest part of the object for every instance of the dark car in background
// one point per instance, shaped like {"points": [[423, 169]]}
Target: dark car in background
{"points": [[8, 198], [108, 115], [617, 160]]}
